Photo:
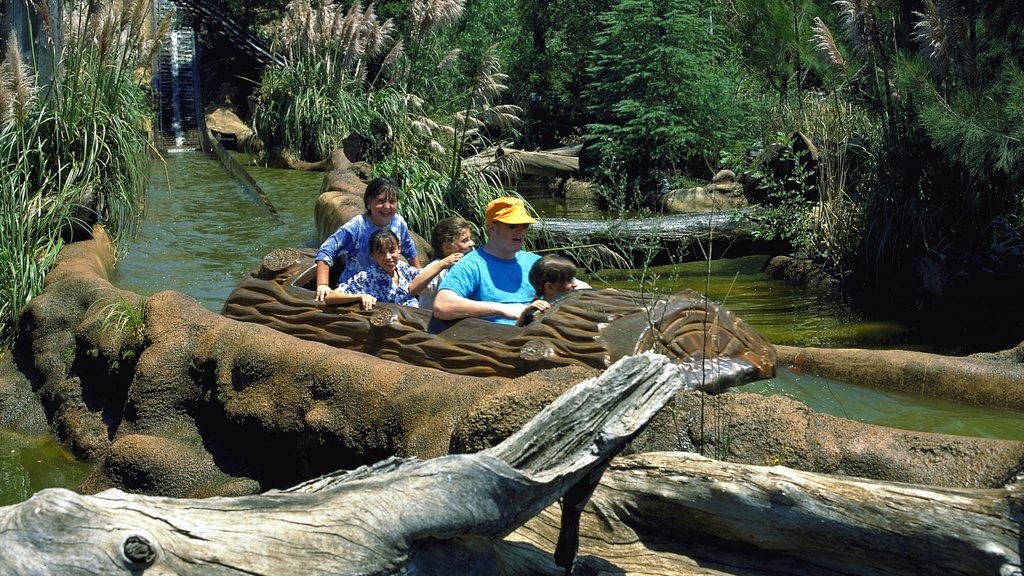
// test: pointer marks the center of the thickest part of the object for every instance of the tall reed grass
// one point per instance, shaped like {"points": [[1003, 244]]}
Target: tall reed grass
{"points": [[78, 153], [346, 71]]}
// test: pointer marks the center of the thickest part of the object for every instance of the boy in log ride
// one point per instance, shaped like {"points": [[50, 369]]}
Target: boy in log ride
{"points": [[550, 277]]}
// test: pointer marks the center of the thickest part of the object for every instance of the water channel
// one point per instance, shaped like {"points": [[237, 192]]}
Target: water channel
{"points": [[203, 231]]}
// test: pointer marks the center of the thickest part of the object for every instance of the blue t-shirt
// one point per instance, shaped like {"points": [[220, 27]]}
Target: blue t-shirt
{"points": [[377, 283], [485, 278], [353, 240]]}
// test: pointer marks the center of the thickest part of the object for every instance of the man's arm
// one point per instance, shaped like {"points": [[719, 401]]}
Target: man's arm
{"points": [[450, 306]]}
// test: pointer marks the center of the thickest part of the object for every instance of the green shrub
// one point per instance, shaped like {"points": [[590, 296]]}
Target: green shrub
{"points": [[666, 105]]}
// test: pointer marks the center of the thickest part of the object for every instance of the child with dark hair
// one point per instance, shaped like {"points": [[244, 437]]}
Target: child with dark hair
{"points": [[550, 276], [352, 239], [451, 238], [388, 279]]}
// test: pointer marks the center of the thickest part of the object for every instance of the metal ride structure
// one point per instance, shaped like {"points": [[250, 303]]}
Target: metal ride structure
{"points": [[177, 85]]}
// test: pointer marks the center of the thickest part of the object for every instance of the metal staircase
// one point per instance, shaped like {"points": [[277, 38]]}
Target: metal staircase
{"points": [[180, 123]]}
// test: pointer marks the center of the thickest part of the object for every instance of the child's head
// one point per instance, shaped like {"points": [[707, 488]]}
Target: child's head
{"points": [[385, 249], [553, 275], [381, 199], [451, 235]]}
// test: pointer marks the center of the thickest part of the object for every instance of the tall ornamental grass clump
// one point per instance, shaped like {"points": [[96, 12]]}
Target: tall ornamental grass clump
{"points": [[421, 108], [75, 150]]}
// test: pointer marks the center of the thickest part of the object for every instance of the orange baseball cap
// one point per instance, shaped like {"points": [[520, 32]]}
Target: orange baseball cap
{"points": [[508, 210]]}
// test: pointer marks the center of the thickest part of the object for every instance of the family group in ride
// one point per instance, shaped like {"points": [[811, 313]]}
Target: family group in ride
{"points": [[498, 281]]}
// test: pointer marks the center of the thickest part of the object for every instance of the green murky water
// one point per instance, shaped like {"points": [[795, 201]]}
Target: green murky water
{"points": [[29, 464], [894, 409], [203, 231], [784, 313]]}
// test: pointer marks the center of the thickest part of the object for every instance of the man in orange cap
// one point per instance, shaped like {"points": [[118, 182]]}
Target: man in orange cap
{"points": [[492, 282]]}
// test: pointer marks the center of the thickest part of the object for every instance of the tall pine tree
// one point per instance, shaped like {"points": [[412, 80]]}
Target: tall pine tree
{"points": [[665, 94]]}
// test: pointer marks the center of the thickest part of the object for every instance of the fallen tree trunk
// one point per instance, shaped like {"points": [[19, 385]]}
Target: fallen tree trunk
{"points": [[990, 380], [525, 163], [396, 516], [682, 514]]}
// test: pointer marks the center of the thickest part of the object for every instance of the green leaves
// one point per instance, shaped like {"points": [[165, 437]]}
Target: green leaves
{"points": [[665, 94], [83, 148]]}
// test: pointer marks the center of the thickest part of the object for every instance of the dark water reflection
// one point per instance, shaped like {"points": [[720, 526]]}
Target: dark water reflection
{"points": [[203, 232]]}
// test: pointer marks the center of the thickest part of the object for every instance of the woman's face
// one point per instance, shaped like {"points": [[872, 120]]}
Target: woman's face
{"points": [[382, 207], [387, 258], [464, 243]]}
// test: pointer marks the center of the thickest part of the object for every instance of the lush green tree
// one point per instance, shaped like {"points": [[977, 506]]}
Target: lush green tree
{"points": [[666, 92], [774, 40], [549, 77]]}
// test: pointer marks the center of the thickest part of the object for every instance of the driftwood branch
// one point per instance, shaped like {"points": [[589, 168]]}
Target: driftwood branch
{"points": [[682, 514], [398, 515]]}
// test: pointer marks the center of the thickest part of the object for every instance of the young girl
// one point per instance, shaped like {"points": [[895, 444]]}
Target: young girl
{"points": [[388, 279], [353, 238], [451, 238], [550, 276]]}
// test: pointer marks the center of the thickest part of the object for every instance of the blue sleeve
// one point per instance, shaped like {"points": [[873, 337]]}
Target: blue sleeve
{"points": [[358, 284], [341, 242], [408, 271]]}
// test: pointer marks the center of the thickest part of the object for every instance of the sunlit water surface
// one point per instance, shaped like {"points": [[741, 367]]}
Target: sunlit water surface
{"points": [[203, 231]]}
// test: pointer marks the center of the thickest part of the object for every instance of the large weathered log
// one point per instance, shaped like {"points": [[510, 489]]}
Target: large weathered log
{"points": [[681, 514], [396, 516], [551, 164]]}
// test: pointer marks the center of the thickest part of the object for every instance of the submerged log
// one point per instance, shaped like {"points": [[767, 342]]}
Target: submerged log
{"points": [[397, 516], [989, 380]]}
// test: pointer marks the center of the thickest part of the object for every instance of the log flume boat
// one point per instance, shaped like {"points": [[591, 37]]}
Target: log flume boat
{"points": [[586, 327]]}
